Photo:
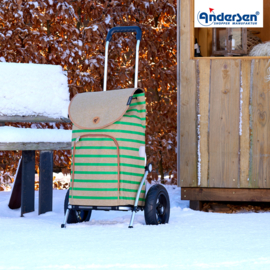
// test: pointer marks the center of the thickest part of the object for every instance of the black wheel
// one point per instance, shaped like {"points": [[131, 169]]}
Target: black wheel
{"points": [[76, 216], [157, 206]]}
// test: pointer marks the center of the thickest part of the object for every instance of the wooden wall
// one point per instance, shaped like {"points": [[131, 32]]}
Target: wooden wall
{"points": [[225, 124], [224, 116], [264, 34]]}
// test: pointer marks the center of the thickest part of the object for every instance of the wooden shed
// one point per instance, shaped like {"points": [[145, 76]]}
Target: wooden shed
{"points": [[223, 118]]}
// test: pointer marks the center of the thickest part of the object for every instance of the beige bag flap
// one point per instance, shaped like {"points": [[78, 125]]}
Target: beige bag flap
{"points": [[95, 110]]}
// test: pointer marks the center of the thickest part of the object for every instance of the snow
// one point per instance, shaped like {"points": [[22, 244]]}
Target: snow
{"points": [[9, 33], [107, 19], [241, 107], [199, 150], [35, 4], [94, 27], [13, 134], [146, 4], [199, 136], [33, 89], [192, 240], [132, 7], [268, 75]]}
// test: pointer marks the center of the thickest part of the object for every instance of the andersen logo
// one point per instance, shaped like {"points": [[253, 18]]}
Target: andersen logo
{"points": [[211, 18]]}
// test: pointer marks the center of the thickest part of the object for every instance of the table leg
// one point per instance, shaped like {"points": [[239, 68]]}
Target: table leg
{"points": [[28, 182], [45, 182], [15, 197]]}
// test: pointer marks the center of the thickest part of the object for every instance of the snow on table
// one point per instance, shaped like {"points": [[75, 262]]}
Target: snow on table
{"points": [[13, 134], [33, 89], [192, 240]]}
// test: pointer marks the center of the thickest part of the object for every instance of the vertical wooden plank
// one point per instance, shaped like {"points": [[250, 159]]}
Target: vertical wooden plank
{"points": [[224, 124], [178, 89], [45, 182], [209, 41], [188, 7], [204, 36], [15, 197], [203, 41], [244, 123], [204, 87], [260, 170], [188, 164], [28, 182]]}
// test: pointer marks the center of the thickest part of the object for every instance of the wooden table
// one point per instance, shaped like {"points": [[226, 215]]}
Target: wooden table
{"points": [[23, 192]]}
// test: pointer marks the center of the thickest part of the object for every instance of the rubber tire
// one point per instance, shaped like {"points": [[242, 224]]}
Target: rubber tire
{"points": [[73, 216], [150, 210]]}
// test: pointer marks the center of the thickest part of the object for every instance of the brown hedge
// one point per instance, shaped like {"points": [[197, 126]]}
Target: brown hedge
{"points": [[72, 34]]}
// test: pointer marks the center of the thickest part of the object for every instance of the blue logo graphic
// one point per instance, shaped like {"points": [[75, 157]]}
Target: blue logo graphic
{"points": [[204, 16], [208, 19]]}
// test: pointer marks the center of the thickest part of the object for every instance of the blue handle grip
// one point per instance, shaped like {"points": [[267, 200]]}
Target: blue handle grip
{"points": [[123, 29]]}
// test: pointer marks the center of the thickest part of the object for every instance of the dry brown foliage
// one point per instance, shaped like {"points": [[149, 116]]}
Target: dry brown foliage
{"points": [[72, 34]]}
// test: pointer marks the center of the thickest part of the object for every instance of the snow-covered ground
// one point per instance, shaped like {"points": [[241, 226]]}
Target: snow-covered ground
{"points": [[191, 240]]}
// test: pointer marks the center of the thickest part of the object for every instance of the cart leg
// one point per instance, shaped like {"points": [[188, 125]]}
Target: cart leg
{"points": [[138, 196], [132, 219], [65, 220]]}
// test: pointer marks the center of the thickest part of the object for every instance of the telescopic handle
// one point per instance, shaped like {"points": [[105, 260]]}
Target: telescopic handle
{"points": [[123, 29]]}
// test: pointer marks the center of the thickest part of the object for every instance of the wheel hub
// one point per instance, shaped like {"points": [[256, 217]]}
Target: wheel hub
{"points": [[160, 209]]}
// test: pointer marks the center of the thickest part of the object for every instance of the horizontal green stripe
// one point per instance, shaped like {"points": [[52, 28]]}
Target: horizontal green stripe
{"points": [[136, 110], [132, 157], [94, 181], [93, 198], [138, 95], [94, 172], [93, 139], [130, 198], [96, 147], [106, 181], [108, 130], [109, 139], [107, 148], [108, 156], [96, 189], [131, 190], [134, 174], [130, 182], [95, 164], [128, 148], [129, 124], [109, 164], [137, 103], [130, 140], [135, 116]]}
